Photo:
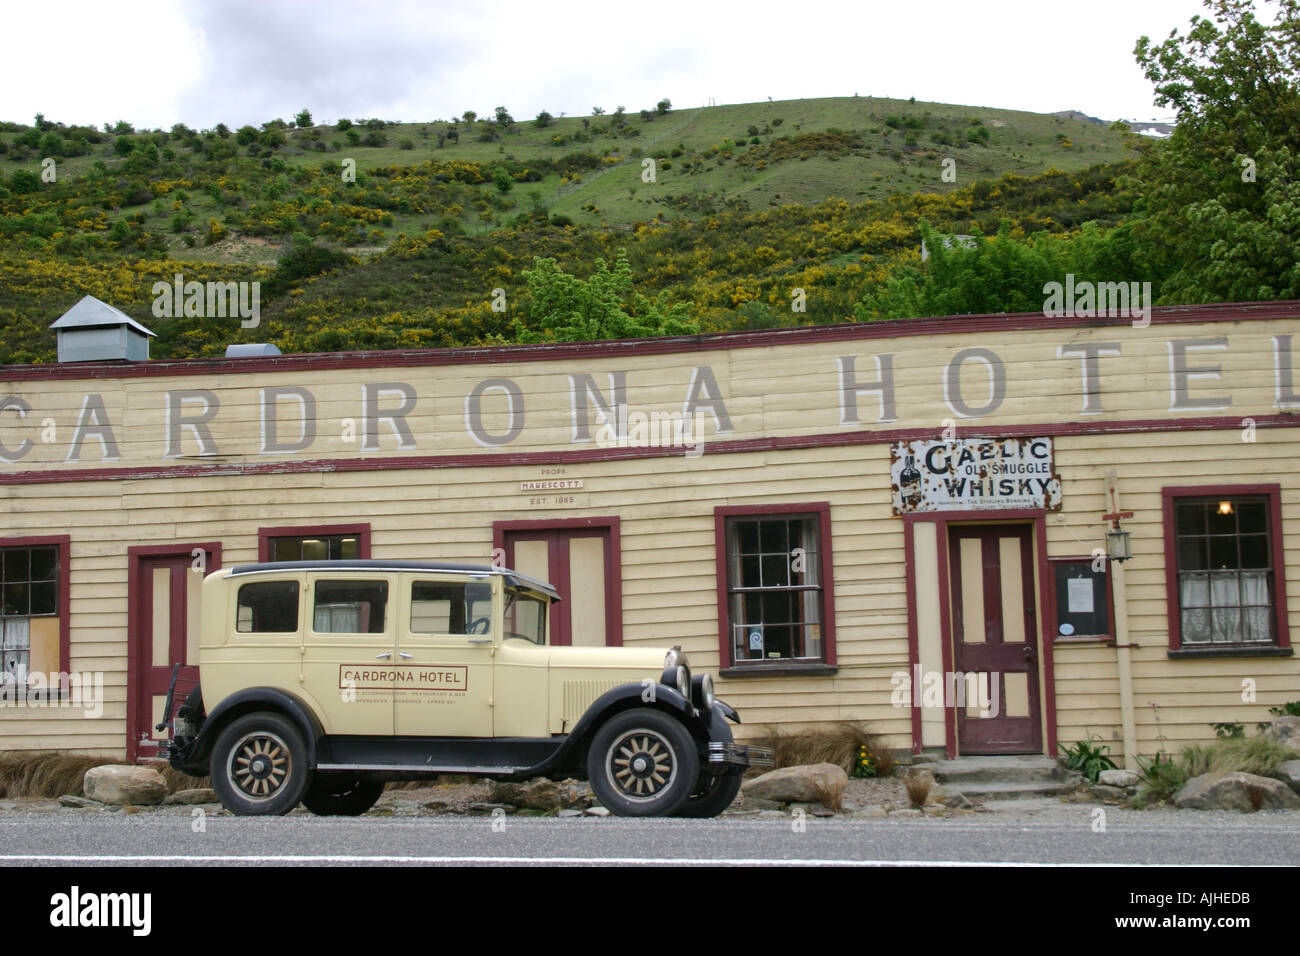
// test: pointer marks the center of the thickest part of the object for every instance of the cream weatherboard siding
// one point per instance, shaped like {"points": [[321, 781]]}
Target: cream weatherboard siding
{"points": [[768, 390]]}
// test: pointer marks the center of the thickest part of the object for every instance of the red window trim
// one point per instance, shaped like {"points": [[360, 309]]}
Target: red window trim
{"points": [[822, 509], [264, 536], [64, 544], [1273, 492], [613, 562], [1056, 638]]}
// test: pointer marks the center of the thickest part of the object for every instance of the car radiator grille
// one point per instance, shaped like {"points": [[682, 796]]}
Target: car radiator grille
{"points": [[581, 694]]}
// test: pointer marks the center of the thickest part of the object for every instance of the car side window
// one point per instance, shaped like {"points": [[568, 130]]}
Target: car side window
{"points": [[350, 607], [441, 607], [267, 607]]}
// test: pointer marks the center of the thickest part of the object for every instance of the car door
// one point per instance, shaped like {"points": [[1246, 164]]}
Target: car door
{"points": [[348, 652], [445, 655]]}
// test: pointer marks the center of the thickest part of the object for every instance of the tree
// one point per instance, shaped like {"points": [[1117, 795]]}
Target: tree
{"points": [[598, 111], [663, 106], [303, 119], [503, 116], [1219, 201], [564, 308], [502, 179], [544, 119], [469, 116]]}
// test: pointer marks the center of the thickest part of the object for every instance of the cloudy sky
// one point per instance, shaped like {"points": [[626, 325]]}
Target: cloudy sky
{"points": [[159, 62]]}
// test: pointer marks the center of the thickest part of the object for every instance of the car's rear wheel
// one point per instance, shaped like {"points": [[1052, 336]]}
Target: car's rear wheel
{"points": [[714, 796], [642, 763], [259, 765], [341, 795]]}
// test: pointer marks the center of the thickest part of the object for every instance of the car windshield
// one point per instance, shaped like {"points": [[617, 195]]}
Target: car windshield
{"points": [[525, 617]]}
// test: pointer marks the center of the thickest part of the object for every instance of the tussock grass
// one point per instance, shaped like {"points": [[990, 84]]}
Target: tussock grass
{"points": [[918, 784], [49, 774], [1257, 755], [837, 744]]}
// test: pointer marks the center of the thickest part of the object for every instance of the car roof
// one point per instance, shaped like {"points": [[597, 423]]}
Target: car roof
{"points": [[512, 578]]}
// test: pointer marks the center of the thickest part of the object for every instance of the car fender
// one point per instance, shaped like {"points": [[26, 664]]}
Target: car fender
{"points": [[252, 699], [624, 697]]}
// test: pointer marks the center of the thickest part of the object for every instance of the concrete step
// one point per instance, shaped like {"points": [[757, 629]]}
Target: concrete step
{"points": [[969, 771], [982, 792]]}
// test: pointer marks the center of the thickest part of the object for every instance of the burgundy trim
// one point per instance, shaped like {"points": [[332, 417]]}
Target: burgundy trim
{"points": [[913, 638], [822, 509], [1045, 643], [264, 536], [611, 525], [135, 611], [725, 447], [840, 332], [63, 543], [1273, 492]]}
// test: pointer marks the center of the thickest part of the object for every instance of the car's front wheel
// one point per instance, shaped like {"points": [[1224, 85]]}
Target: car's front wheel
{"points": [[714, 796], [259, 765], [340, 795], [642, 763]]}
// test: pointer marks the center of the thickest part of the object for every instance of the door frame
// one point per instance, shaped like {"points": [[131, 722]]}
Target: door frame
{"points": [[1035, 518], [136, 556], [613, 561]]}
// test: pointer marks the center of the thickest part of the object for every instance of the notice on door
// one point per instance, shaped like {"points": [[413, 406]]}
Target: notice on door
{"points": [[973, 474]]}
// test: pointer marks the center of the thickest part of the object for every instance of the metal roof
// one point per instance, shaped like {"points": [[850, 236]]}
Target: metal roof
{"points": [[513, 578], [91, 312]]}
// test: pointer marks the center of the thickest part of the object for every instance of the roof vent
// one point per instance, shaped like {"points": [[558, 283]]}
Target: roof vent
{"points": [[251, 350], [94, 331]]}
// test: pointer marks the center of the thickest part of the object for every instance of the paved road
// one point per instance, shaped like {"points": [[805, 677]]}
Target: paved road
{"points": [[1063, 836]]}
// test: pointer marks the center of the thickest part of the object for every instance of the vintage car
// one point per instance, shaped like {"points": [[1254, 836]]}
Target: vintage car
{"points": [[320, 680]]}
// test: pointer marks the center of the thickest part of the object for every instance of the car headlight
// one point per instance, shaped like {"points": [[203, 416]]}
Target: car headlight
{"points": [[702, 692], [677, 672]]}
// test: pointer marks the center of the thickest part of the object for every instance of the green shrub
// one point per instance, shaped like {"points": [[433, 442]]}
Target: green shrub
{"points": [[1161, 778], [1086, 759]]}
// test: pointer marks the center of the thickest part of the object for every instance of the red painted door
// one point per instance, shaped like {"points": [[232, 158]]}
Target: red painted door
{"points": [[579, 563], [995, 641], [164, 632]]}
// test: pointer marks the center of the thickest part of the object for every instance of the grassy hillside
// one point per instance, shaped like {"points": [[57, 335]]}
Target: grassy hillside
{"points": [[746, 203]]}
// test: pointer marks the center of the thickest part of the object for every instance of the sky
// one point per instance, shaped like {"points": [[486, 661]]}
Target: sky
{"points": [[154, 63]]}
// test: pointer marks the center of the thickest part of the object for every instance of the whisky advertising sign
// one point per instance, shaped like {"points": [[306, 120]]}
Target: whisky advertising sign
{"points": [[973, 474]]}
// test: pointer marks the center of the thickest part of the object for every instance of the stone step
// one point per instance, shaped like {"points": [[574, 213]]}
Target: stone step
{"points": [[983, 792], [968, 771]]}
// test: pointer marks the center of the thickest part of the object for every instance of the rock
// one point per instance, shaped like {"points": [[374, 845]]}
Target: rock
{"points": [[848, 807], [439, 806], [197, 795], [822, 811], [907, 812], [542, 794], [1236, 791], [1289, 773], [69, 800], [124, 785], [814, 783], [758, 803], [871, 813], [1285, 731], [597, 812], [956, 800], [771, 813], [570, 813], [1101, 791], [1118, 778]]}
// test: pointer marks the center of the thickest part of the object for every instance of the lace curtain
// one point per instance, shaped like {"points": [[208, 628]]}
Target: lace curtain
{"points": [[1226, 607]]}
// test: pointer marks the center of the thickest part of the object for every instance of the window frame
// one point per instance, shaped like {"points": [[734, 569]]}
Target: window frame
{"points": [[361, 531], [62, 543], [821, 511], [1171, 496]]}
